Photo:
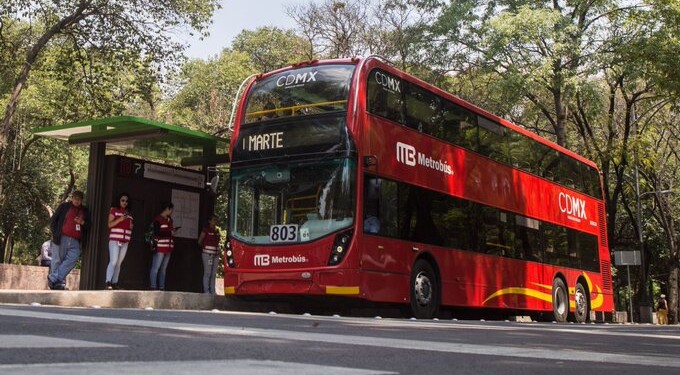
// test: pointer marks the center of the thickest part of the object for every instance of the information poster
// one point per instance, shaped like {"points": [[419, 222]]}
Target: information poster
{"points": [[185, 214]]}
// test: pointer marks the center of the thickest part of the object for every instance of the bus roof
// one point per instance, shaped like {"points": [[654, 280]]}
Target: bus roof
{"points": [[373, 61]]}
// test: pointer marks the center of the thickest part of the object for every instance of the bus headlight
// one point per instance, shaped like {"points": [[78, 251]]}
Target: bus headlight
{"points": [[339, 249], [229, 254]]}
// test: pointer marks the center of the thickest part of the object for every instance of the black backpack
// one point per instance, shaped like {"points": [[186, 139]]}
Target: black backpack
{"points": [[149, 237]]}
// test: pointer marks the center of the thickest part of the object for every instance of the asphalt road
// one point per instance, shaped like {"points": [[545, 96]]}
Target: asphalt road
{"points": [[40, 339]]}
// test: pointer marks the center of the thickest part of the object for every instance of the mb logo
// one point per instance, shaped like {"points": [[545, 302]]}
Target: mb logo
{"points": [[406, 154], [261, 260]]}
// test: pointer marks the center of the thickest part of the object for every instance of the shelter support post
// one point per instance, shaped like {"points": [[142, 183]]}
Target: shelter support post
{"points": [[96, 203]]}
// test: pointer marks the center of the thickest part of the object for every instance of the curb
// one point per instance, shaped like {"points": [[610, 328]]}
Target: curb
{"points": [[115, 299]]}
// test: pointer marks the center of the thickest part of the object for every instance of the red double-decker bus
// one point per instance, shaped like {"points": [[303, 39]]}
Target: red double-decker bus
{"points": [[352, 178]]}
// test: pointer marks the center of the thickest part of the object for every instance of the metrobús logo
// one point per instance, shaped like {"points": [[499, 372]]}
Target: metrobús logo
{"points": [[408, 155], [264, 260]]}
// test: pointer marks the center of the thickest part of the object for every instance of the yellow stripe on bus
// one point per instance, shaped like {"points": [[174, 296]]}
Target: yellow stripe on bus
{"points": [[344, 290], [229, 290]]}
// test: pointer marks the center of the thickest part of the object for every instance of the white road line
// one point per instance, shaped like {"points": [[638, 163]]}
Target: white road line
{"points": [[598, 330], [32, 341], [239, 366], [646, 331], [520, 351]]}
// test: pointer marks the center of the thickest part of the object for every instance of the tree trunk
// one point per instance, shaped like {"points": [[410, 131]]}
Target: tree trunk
{"points": [[673, 292], [9, 246], [3, 243]]}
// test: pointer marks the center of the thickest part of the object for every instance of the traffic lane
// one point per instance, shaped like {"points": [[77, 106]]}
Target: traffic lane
{"points": [[649, 340], [612, 338], [140, 345], [425, 334]]}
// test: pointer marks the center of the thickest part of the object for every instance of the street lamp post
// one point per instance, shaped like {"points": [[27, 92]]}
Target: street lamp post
{"points": [[645, 303]]}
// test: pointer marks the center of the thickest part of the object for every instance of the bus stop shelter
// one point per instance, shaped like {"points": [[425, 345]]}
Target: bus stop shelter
{"points": [[156, 161]]}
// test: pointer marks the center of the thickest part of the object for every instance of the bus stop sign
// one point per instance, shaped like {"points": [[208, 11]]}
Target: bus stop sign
{"points": [[627, 258]]}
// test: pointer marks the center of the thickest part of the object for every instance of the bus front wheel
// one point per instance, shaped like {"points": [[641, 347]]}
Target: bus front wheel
{"points": [[424, 290], [560, 300], [581, 310]]}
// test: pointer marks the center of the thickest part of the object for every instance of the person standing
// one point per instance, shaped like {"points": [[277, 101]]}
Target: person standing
{"points": [[209, 240], [120, 232], [662, 310], [46, 254], [69, 226], [163, 233]]}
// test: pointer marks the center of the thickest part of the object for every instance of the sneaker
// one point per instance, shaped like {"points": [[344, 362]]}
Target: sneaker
{"points": [[115, 286], [108, 286]]}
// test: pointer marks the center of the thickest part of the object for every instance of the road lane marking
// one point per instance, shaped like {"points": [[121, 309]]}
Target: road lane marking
{"points": [[650, 331], [34, 341], [237, 366], [523, 351]]}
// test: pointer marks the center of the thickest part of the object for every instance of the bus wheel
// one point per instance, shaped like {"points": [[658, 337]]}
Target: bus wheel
{"points": [[560, 300], [581, 301], [424, 291]]}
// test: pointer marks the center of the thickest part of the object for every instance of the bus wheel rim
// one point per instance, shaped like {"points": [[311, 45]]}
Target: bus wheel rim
{"points": [[580, 300], [559, 301], [423, 289]]}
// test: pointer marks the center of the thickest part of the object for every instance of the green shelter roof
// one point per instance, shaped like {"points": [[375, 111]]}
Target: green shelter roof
{"points": [[144, 138]]}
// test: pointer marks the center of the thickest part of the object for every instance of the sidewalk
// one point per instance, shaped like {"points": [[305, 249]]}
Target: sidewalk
{"points": [[116, 299]]}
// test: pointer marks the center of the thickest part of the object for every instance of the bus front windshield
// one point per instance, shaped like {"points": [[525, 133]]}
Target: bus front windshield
{"points": [[292, 202], [302, 91]]}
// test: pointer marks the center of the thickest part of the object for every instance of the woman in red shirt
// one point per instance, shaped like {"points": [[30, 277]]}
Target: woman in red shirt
{"points": [[209, 240], [120, 231], [163, 233]]}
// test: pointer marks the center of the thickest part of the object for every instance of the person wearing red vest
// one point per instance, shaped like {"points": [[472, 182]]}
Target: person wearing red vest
{"points": [[209, 241], [163, 232], [69, 226], [120, 232]]}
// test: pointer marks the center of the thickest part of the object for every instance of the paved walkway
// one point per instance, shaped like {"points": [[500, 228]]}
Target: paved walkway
{"points": [[116, 299]]}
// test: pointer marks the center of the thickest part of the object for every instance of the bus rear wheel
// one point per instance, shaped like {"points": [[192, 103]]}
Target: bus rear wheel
{"points": [[560, 300], [424, 290], [581, 310]]}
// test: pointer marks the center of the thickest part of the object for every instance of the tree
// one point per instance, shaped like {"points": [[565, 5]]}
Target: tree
{"points": [[88, 50], [124, 30], [334, 29], [205, 91], [271, 48]]}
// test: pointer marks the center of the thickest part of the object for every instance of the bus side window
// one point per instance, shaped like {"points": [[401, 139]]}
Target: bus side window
{"points": [[385, 99], [372, 205], [520, 148], [528, 239], [492, 140], [380, 206], [421, 109], [457, 125]]}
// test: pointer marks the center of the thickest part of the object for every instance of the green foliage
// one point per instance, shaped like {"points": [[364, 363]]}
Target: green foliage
{"points": [[205, 92], [271, 48], [80, 60]]}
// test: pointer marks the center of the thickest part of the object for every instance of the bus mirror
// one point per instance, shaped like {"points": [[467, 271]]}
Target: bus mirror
{"points": [[370, 160]]}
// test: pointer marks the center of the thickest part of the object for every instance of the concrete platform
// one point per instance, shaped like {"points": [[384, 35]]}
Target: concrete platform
{"points": [[116, 299]]}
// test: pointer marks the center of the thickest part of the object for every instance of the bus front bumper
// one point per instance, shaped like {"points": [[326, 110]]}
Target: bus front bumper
{"points": [[342, 282]]}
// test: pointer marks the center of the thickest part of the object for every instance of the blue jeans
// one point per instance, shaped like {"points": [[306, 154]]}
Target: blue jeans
{"points": [[209, 271], [159, 263], [64, 259], [117, 252]]}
